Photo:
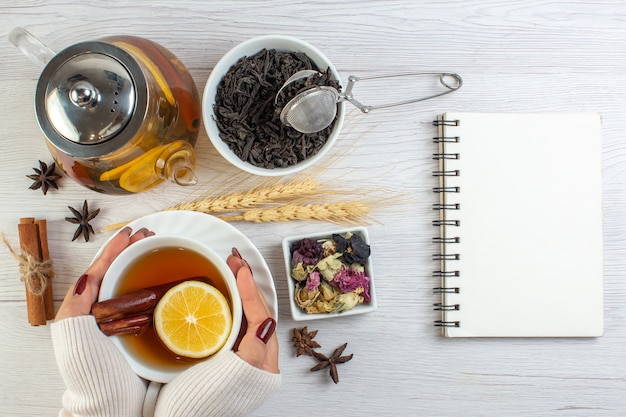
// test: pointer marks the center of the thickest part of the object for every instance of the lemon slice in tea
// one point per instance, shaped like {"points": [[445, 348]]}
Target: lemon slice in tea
{"points": [[193, 319]]}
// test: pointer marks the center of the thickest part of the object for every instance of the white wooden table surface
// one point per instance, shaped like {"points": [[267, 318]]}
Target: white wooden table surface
{"points": [[512, 55]]}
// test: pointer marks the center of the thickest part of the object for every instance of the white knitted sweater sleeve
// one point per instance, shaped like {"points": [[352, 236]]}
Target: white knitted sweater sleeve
{"points": [[98, 378], [100, 382], [224, 386]]}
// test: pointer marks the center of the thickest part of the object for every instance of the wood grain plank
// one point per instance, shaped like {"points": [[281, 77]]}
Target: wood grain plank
{"points": [[527, 55]]}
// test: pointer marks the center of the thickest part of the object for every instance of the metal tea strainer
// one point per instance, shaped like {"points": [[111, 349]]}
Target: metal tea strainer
{"points": [[315, 109]]}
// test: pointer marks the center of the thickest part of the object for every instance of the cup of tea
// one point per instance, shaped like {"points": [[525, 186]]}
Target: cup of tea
{"points": [[166, 261]]}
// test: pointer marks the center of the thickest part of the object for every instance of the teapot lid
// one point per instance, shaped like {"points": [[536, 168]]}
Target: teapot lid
{"points": [[87, 95]]}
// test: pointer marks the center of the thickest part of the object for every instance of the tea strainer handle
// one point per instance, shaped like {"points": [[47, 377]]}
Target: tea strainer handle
{"points": [[449, 80]]}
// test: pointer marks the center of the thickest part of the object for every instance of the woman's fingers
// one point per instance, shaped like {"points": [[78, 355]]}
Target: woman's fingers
{"points": [[141, 234], [235, 264], [257, 316], [251, 299], [84, 293], [97, 270], [120, 242]]}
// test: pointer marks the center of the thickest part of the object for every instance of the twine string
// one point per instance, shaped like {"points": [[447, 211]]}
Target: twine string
{"points": [[33, 272]]}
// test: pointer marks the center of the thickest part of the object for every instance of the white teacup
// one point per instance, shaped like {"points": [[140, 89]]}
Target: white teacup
{"points": [[114, 281]]}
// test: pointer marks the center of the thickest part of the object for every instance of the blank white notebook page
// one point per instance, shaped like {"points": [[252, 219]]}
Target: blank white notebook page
{"points": [[530, 233]]}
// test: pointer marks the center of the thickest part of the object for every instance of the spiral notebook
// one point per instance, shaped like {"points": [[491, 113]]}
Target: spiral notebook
{"points": [[520, 225]]}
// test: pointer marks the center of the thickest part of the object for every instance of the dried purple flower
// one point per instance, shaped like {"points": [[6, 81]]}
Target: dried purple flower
{"points": [[313, 281], [349, 280], [354, 249], [307, 251]]}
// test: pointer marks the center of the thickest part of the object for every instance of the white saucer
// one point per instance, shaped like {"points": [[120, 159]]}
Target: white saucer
{"points": [[215, 233]]}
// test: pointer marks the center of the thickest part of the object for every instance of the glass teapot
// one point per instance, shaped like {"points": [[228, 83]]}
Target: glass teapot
{"points": [[120, 114]]}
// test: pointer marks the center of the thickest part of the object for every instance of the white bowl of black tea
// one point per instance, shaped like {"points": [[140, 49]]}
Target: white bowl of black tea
{"points": [[243, 98]]}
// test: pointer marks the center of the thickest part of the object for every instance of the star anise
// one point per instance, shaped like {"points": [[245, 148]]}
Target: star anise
{"points": [[44, 178], [332, 361], [82, 220], [303, 341]]}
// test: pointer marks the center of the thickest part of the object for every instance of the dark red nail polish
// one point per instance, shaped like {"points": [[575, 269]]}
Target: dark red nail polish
{"points": [[266, 330], [81, 284], [236, 253], [127, 230], [248, 266]]}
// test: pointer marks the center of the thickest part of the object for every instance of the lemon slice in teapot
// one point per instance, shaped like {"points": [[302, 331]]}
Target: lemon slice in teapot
{"points": [[116, 173], [174, 162]]}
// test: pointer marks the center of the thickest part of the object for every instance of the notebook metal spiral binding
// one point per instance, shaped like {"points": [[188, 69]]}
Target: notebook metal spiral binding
{"points": [[446, 257], [438, 239], [443, 122], [441, 323], [441, 274], [440, 206], [444, 207], [450, 307], [438, 223], [445, 156], [447, 189], [448, 173], [446, 290]]}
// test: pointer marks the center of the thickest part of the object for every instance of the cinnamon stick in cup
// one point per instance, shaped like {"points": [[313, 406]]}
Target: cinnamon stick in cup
{"points": [[141, 301]]}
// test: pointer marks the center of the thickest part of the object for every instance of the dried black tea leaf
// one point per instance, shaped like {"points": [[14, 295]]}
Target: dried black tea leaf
{"points": [[249, 121]]}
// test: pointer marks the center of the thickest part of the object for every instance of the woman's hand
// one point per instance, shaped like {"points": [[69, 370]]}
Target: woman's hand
{"points": [[84, 293], [258, 343]]}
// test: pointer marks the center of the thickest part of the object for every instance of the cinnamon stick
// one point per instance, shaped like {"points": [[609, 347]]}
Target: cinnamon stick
{"points": [[135, 302], [141, 301], [132, 312], [48, 297], [29, 243], [127, 325]]}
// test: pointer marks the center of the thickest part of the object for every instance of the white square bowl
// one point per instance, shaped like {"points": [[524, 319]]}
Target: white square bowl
{"points": [[296, 312]]}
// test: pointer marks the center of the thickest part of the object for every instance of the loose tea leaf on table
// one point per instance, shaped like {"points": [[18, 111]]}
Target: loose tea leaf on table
{"points": [[249, 121]]}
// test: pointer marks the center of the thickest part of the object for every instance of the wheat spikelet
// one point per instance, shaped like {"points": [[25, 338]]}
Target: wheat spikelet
{"points": [[335, 212], [253, 197]]}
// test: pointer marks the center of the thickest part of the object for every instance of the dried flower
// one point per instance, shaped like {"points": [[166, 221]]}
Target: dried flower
{"points": [[341, 262], [82, 219], [303, 298], [300, 272], [329, 266], [349, 280], [328, 292], [346, 301], [306, 251], [353, 248], [313, 281], [44, 178], [329, 246], [321, 306]]}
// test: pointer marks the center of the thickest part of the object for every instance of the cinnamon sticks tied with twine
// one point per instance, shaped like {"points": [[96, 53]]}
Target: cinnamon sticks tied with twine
{"points": [[36, 269]]}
